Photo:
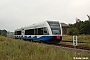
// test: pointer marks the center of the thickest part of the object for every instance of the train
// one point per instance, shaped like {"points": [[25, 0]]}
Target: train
{"points": [[46, 31]]}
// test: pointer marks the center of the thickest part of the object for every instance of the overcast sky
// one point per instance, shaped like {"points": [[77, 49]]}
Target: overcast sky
{"points": [[18, 13]]}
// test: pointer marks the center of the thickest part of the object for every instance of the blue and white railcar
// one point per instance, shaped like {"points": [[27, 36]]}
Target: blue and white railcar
{"points": [[47, 31]]}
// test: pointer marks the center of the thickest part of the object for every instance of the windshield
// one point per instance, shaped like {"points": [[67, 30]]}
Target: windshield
{"points": [[55, 28], [55, 32]]}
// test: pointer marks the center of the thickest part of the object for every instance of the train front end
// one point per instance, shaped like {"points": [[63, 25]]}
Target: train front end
{"points": [[56, 31]]}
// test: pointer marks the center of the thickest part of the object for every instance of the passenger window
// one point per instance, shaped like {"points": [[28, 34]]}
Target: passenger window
{"points": [[17, 32], [45, 31], [40, 31], [29, 32]]}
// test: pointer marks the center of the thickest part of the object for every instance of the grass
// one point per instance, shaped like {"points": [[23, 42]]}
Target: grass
{"points": [[11, 49], [84, 38], [80, 38]]}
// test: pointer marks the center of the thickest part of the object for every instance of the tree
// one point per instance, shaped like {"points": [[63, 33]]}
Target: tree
{"points": [[73, 31], [3, 32], [85, 28], [88, 17], [0, 32]]}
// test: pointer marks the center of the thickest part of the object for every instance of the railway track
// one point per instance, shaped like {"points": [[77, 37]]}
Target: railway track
{"points": [[71, 46], [72, 41]]}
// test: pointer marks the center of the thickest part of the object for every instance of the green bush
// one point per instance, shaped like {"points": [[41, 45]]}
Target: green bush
{"points": [[73, 31], [3, 32], [85, 28]]}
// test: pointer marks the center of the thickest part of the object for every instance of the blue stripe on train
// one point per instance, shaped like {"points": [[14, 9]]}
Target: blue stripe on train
{"points": [[43, 38]]}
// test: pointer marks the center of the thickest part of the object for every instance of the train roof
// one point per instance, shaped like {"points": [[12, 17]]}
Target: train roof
{"points": [[35, 24]]}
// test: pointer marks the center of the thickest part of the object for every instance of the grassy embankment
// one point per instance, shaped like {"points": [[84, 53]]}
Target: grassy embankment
{"points": [[11, 49], [80, 38]]}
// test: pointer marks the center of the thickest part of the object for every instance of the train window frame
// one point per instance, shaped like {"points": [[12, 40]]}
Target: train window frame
{"points": [[17, 32], [45, 31], [40, 31], [29, 32], [37, 31]]}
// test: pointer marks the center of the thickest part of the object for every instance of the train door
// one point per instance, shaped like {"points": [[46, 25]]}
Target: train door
{"points": [[22, 31], [39, 32]]}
